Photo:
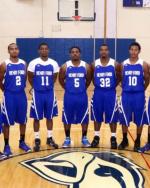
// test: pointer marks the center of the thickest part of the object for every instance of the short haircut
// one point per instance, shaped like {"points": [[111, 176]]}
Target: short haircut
{"points": [[11, 44], [135, 44], [43, 44], [104, 44], [74, 47]]}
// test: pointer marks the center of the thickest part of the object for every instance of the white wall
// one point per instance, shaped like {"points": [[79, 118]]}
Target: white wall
{"points": [[24, 18], [135, 23]]}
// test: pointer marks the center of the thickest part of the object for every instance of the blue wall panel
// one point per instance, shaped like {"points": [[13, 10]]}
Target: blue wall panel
{"points": [[60, 48]]}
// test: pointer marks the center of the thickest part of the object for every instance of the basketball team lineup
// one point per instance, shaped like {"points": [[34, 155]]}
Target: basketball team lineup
{"points": [[75, 76], [74, 94]]}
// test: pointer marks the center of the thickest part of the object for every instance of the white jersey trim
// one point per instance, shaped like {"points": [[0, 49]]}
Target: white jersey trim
{"points": [[34, 62]]}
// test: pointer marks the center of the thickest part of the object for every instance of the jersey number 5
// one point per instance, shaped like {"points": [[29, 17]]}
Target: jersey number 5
{"points": [[76, 82]]}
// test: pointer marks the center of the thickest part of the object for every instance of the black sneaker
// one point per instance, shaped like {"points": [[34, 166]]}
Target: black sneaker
{"points": [[51, 143], [95, 142], [37, 145], [137, 145], [113, 142], [123, 144]]}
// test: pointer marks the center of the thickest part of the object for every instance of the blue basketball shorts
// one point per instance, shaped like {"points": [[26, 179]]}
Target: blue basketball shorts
{"points": [[132, 108], [147, 112], [44, 105], [75, 109], [14, 108], [104, 106], [0, 122]]}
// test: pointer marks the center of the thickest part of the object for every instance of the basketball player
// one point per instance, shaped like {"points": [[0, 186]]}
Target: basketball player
{"points": [[42, 74], [135, 79], [75, 77], [14, 106], [104, 100]]}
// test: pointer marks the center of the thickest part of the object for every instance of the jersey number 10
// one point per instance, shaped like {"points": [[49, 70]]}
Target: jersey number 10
{"points": [[132, 81]]}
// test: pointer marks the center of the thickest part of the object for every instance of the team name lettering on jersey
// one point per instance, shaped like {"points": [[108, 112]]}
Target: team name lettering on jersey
{"points": [[44, 73], [16, 72], [137, 73]]}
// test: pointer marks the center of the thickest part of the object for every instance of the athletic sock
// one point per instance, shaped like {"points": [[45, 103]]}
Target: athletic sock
{"points": [[22, 138], [49, 133], [97, 133], [6, 140], [84, 133], [124, 136], [149, 138], [138, 137], [67, 132], [37, 135], [113, 134]]}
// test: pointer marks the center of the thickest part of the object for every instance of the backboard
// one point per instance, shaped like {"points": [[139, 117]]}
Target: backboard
{"points": [[69, 9]]}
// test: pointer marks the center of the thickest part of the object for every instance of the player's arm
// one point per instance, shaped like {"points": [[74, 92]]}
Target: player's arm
{"points": [[88, 75], [2, 73], [92, 71], [30, 78], [56, 70], [30, 72], [146, 74], [62, 75], [118, 70]]}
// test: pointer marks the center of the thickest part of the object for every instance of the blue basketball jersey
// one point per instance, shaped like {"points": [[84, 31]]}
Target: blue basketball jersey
{"points": [[133, 77], [104, 76], [43, 73], [75, 77], [15, 76]]}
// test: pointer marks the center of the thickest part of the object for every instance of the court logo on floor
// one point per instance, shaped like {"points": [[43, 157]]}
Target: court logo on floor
{"points": [[78, 169]]}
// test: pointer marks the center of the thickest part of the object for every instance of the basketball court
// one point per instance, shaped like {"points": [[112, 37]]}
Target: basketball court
{"points": [[76, 167]]}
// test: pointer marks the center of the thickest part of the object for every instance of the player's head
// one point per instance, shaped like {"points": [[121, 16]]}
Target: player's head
{"points": [[104, 51], [75, 53], [13, 50], [134, 49], [43, 49]]}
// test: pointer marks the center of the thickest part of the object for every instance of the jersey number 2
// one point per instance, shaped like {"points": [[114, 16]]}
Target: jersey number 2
{"points": [[18, 80]]}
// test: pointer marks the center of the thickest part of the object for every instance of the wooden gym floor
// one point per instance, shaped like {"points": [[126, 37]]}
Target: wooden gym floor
{"points": [[13, 174]]}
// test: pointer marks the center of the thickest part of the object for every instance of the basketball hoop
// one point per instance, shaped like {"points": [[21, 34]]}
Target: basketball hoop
{"points": [[76, 18]]}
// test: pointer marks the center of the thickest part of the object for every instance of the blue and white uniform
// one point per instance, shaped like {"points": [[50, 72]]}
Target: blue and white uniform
{"points": [[43, 100], [14, 105], [104, 100], [132, 103], [75, 107]]}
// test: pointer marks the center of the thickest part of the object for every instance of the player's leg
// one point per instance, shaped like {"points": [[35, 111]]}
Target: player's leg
{"points": [[68, 117], [50, 140], [36, 112], [139, 109], [67, 141], [125, 116], [37, 140], [97, 110], [50, 110], [82, 116], [111, 115], [96, 139], [113, 140], [21, 118], [8, 118]]}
